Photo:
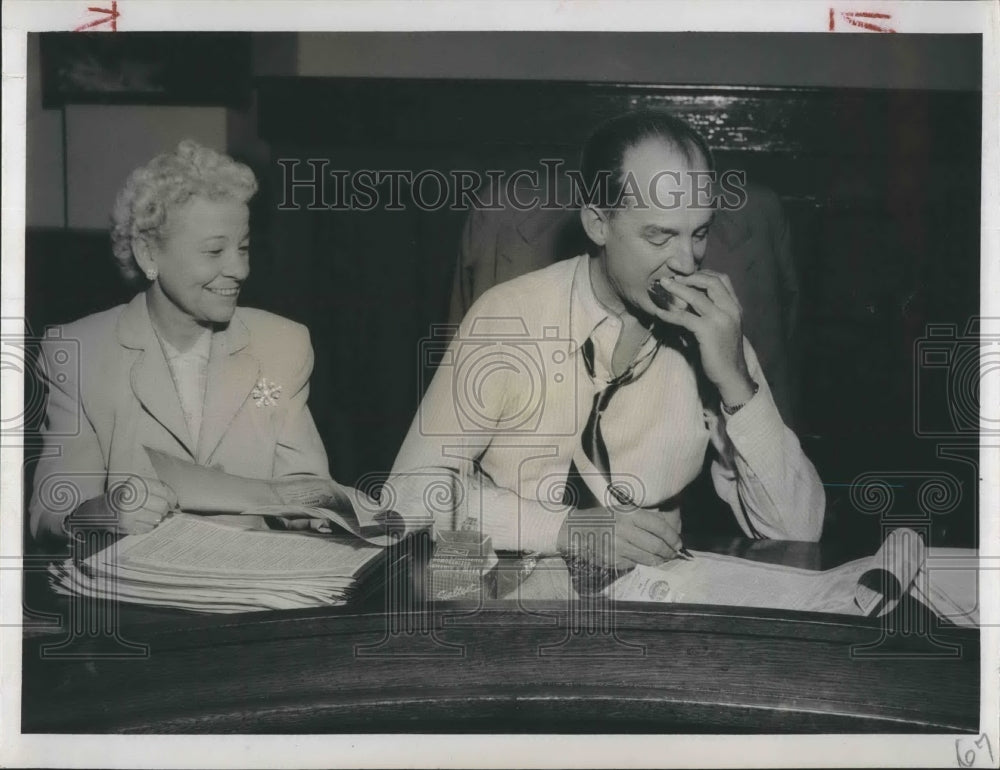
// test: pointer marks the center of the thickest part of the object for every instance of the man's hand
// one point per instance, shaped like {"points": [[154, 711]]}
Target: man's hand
{"points": [[639, 537], [131, 507], [717, 325]]}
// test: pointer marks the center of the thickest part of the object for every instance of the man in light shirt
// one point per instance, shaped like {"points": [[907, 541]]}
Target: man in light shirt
{"points": [[576, 403]]}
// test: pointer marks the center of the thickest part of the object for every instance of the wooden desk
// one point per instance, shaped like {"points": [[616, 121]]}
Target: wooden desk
{"points": [[541, 667]]}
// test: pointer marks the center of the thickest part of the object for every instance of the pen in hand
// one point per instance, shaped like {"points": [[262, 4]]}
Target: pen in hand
{"points": [[623, 497]]}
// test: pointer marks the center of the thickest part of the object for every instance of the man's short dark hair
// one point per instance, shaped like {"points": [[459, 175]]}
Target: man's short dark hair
{"points": [[604, 151]]}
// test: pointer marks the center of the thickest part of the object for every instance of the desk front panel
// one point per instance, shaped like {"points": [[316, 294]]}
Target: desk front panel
{"points": [[501, 667]]}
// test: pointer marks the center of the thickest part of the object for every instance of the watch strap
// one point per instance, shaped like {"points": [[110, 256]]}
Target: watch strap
{"points": [[731, 410]]}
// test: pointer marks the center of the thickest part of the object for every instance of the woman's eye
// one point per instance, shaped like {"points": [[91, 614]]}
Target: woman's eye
{"points": [[214, 252]]}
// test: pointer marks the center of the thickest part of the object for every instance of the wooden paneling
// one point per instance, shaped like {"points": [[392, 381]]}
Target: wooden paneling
{"points": [[667, 669], [821, 122]]}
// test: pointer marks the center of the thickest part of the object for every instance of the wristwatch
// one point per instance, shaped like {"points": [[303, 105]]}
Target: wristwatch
{"points": [[731, 410]]}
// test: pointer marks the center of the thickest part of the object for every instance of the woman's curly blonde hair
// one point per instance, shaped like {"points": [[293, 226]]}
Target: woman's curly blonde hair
{"points": [[168, 181]]}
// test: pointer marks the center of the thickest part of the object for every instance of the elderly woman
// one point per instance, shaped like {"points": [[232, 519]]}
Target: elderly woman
{"points": [[180, 369]]}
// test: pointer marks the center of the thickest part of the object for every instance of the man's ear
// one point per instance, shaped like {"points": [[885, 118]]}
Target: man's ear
{"points": [[595, 224]]}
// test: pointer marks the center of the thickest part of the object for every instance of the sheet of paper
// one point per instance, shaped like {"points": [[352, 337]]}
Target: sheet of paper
{"points": [[201, 489], [944, 579], [716, 579], [949, 584]]}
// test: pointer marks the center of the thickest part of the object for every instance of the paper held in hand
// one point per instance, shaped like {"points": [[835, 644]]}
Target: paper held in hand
{"points": [[208, 490], [945, 579]]}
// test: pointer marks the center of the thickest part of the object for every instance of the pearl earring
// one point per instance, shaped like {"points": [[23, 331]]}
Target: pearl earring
{"points": [[151, 273]]}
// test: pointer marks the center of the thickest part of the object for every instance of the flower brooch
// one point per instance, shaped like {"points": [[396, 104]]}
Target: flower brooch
{"points": [[265, 393]]}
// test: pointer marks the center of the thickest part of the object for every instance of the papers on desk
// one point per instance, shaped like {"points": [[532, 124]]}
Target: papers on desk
{"points": [[945, 579], [193, 563]]}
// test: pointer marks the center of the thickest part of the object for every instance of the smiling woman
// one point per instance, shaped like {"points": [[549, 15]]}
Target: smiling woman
{"points": [[175, 369]]}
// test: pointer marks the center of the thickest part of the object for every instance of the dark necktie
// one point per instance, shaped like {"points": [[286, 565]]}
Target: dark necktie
{"points": [[588, 577]]}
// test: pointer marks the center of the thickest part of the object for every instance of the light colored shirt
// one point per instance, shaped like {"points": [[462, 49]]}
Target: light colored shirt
{"points": [[510, 397], [189, 371]]}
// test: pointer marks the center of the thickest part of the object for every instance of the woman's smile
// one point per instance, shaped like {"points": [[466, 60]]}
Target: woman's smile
{"points": [[231, 291]]}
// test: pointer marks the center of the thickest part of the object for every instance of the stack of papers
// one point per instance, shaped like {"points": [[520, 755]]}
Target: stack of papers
{"points": [[192, 563]]}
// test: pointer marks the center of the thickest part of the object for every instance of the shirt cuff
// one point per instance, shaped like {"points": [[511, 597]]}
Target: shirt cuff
{"points": [[532, 527], [757, 430]]}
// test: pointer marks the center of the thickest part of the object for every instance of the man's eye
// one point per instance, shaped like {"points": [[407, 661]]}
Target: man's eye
{"points": [[700, 236], [659, 240]]}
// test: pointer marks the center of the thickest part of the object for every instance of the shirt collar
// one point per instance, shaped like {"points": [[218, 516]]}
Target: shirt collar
{"points": [[200, 350], [586, 311]]}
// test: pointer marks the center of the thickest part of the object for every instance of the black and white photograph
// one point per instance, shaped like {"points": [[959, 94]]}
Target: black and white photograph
{"points": [[526, 385]]}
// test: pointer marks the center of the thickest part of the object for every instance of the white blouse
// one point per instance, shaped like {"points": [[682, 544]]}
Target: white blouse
{"points": [[189, 370]]}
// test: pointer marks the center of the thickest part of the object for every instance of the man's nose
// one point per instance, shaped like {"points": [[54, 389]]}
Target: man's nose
{"points": [[682, 260]]}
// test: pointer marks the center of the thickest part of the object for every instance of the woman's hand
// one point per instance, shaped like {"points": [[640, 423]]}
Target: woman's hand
{"points": [[640, 537], [131, 507], [304, 524], [312, 493]]}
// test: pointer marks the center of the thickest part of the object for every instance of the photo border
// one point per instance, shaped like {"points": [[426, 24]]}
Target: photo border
{"points": [[22, 16]]}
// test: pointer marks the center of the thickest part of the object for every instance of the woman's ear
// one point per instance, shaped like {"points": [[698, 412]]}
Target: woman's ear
{"points": [[143, 254], [595, 224]]}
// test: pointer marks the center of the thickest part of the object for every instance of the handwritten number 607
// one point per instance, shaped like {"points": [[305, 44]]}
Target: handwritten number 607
{"points": [[968, 759]]}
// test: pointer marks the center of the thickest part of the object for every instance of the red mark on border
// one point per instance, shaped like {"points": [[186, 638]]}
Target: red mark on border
{"points": [[108, 16], [869, 20]]}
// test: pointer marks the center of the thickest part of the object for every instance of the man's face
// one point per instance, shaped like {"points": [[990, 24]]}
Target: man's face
{"points": [[666, 234]]}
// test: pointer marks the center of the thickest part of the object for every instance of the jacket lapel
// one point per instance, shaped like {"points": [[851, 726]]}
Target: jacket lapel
{"points": [[150, 377], [232, 373]]}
